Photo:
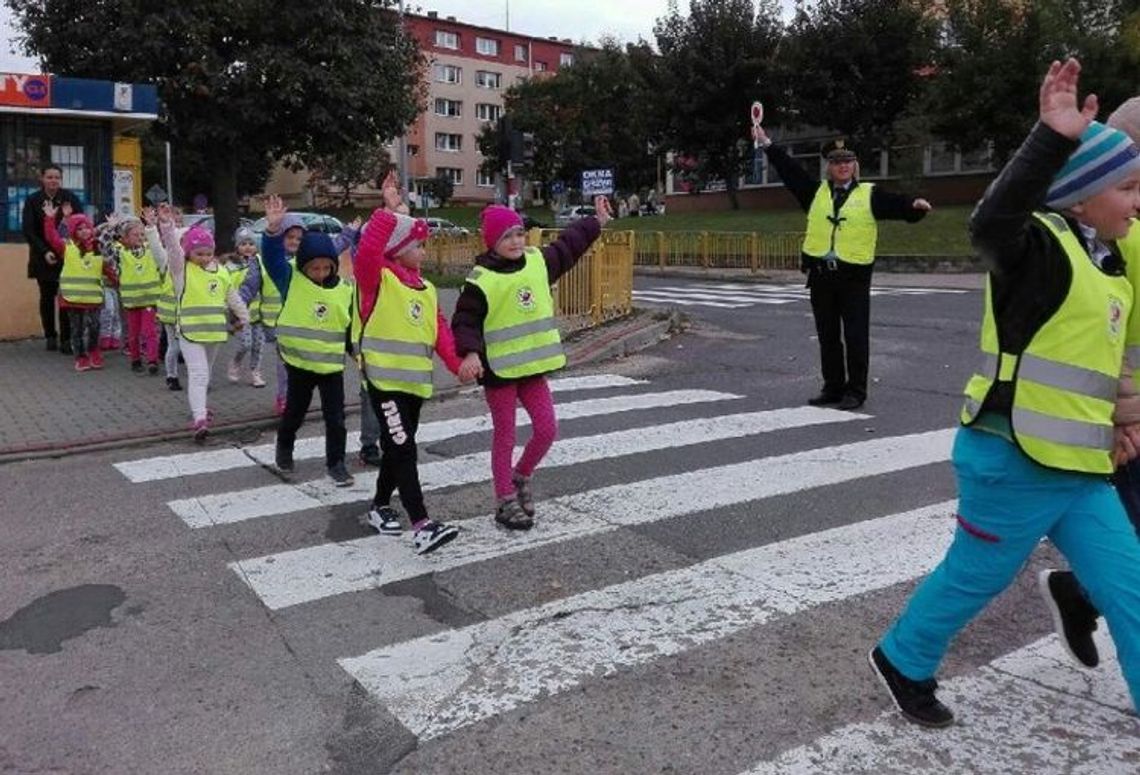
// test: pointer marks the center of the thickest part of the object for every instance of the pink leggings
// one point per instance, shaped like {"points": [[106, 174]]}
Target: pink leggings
{"points": [[142, 334], [534, 394]]}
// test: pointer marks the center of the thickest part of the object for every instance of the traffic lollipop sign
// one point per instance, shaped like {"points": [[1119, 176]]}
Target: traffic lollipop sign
{"points": [[757, 114]]}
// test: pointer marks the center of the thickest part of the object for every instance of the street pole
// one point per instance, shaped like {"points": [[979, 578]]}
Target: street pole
{"points": [[169, 183], [508, 4], [403, 141]]}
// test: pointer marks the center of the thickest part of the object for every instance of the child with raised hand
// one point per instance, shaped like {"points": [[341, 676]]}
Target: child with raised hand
{"points": [[400, 327], [204, 293], [312, 337], [506, 332], [81, 283], [166, 310], [259, 290], [140, 283], [111, 316], [251, 337]]}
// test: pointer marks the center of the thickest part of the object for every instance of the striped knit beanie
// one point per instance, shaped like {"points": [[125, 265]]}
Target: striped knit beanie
{"points": [[1104, 158], [408, 230]]}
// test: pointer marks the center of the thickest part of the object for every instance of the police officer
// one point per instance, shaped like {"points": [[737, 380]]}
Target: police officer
{"points": [[837, 255]]}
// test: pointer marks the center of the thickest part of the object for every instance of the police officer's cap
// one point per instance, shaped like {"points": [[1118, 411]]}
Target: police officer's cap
{"points": [[837, 150]]}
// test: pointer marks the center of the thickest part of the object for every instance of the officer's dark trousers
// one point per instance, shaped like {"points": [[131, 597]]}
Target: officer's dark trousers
{"points": [[841, 304], [302, 383], [48, 291], [399, 415]]}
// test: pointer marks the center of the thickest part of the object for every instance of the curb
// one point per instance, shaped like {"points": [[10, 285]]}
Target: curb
{"points": [[618, 343]]}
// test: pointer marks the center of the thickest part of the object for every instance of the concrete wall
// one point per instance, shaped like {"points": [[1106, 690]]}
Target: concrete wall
{"points": [[19, 296]]}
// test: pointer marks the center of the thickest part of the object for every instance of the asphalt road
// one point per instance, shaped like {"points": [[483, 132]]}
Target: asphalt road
{"points": [[711, 564]]}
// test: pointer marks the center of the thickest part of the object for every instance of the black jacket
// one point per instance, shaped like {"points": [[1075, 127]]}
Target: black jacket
{"points": [[1029, 271], [33, 228]]}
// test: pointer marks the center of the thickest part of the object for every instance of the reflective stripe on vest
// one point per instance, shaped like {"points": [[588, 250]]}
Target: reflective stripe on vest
{"points": [[81, 279], [849, 235], [398, 339], [167, 307], [270, 302], [1130, 251], [520, 330], [1065, 381], [313, 326], [202, 307], [139, 281]]}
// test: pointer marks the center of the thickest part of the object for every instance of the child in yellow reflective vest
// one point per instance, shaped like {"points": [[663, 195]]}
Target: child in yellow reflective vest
{"points": [[400, 328], [166, 313], [140, 284], [506, 333], [312, 337], [204, 293]]}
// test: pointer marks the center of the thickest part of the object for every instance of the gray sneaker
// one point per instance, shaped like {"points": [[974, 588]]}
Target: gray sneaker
{"points": [[511, 515], [524, 494], [340, 476]]}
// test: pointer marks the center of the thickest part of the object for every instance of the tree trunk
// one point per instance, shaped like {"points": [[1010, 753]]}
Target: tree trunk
{"points": [[224, 176]]}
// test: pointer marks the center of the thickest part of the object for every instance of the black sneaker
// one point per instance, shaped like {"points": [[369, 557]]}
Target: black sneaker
{"points": [[385, 520], [340, 475], [137, 367], [850, 402], [172, 383], [914, 699], [65, 347], [283, 459], [824, 398], [524, 494], [51, 343], [152, 369], [1074, 617], [432, 536], [510, 515], [370, 455]]}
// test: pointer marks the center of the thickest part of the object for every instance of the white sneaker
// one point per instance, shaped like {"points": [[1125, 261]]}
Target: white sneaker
{"points": [[256, 379], [233, 373], [385, 520], [432, 536]]}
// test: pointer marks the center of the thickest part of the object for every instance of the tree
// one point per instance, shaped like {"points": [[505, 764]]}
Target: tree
{"points": [[857, 65], [439, 188], [347, 169], [713, 63], [242, 79], [190, 170]]}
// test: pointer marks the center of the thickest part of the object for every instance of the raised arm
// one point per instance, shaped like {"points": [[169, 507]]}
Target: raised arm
{"points": [[51, 232], [575, 240]]}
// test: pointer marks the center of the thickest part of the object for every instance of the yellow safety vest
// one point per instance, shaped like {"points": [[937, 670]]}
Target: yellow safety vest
{"points": [[1130, 250], [1065, 381], [202, 308], [270, 302], [849, 235], [399, 337], [238, 274], [313, 327], [139, 279], [520, 332], [167, 307], [81, 279]]}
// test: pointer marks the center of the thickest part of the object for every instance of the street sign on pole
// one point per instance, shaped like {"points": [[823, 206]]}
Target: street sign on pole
{"points": [[155, 194], [597, 182]]}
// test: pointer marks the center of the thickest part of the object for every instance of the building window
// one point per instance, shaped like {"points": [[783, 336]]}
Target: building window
{"points": [[70, 159], [484, 180], [488, 80], [446, 107], [942, 159], [487, 47], [485, 111], [448, 74], [454, 174], [539, 67], [566, 59], [520, 53], [448, 142], [445, 39]]}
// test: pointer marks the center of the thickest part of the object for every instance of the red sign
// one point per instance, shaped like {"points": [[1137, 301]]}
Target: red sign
{"points": [[23, 90]]}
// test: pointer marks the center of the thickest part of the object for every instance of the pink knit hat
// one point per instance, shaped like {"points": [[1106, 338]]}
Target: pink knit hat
{"points": [[196, 237], [74, 221], [406, 231], [497, 220]]}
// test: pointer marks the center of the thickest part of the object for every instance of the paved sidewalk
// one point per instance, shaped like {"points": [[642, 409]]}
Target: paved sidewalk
{"points": [[48, 409]]}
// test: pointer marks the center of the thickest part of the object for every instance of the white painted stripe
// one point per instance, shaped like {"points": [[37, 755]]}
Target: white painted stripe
{"points": [[684, 303], [305, 575], [717, 297], [1009, 721], [190, 464], [441, 682], [723, 294], [227, 507]]}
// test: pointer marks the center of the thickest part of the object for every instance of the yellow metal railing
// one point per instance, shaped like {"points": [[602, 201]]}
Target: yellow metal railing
{"points": [[754, 251]]}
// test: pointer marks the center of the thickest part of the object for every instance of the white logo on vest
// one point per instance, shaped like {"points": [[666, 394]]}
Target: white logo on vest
{"points": [[212, 287], [320, 310], [1115, 317], [416, 312], [525, 298]]}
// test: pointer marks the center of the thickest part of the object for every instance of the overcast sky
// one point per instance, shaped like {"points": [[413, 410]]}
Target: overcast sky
{"points": [[574, 19]]}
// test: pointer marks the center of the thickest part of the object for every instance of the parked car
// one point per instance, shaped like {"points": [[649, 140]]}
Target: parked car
{"points": [[567, 215], [312, 221], [446, 228], [206, 221]]}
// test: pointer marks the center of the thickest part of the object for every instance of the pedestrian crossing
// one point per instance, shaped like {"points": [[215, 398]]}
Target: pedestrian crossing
{"points": [[441, 681], [738, 295]]}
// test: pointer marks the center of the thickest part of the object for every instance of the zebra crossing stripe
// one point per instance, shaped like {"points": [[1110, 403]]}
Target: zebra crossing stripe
{"points": [[312, 573], [442, 682], [228, 507], [193, 463], [688, 303], [1012, 717], [765, 298]]}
